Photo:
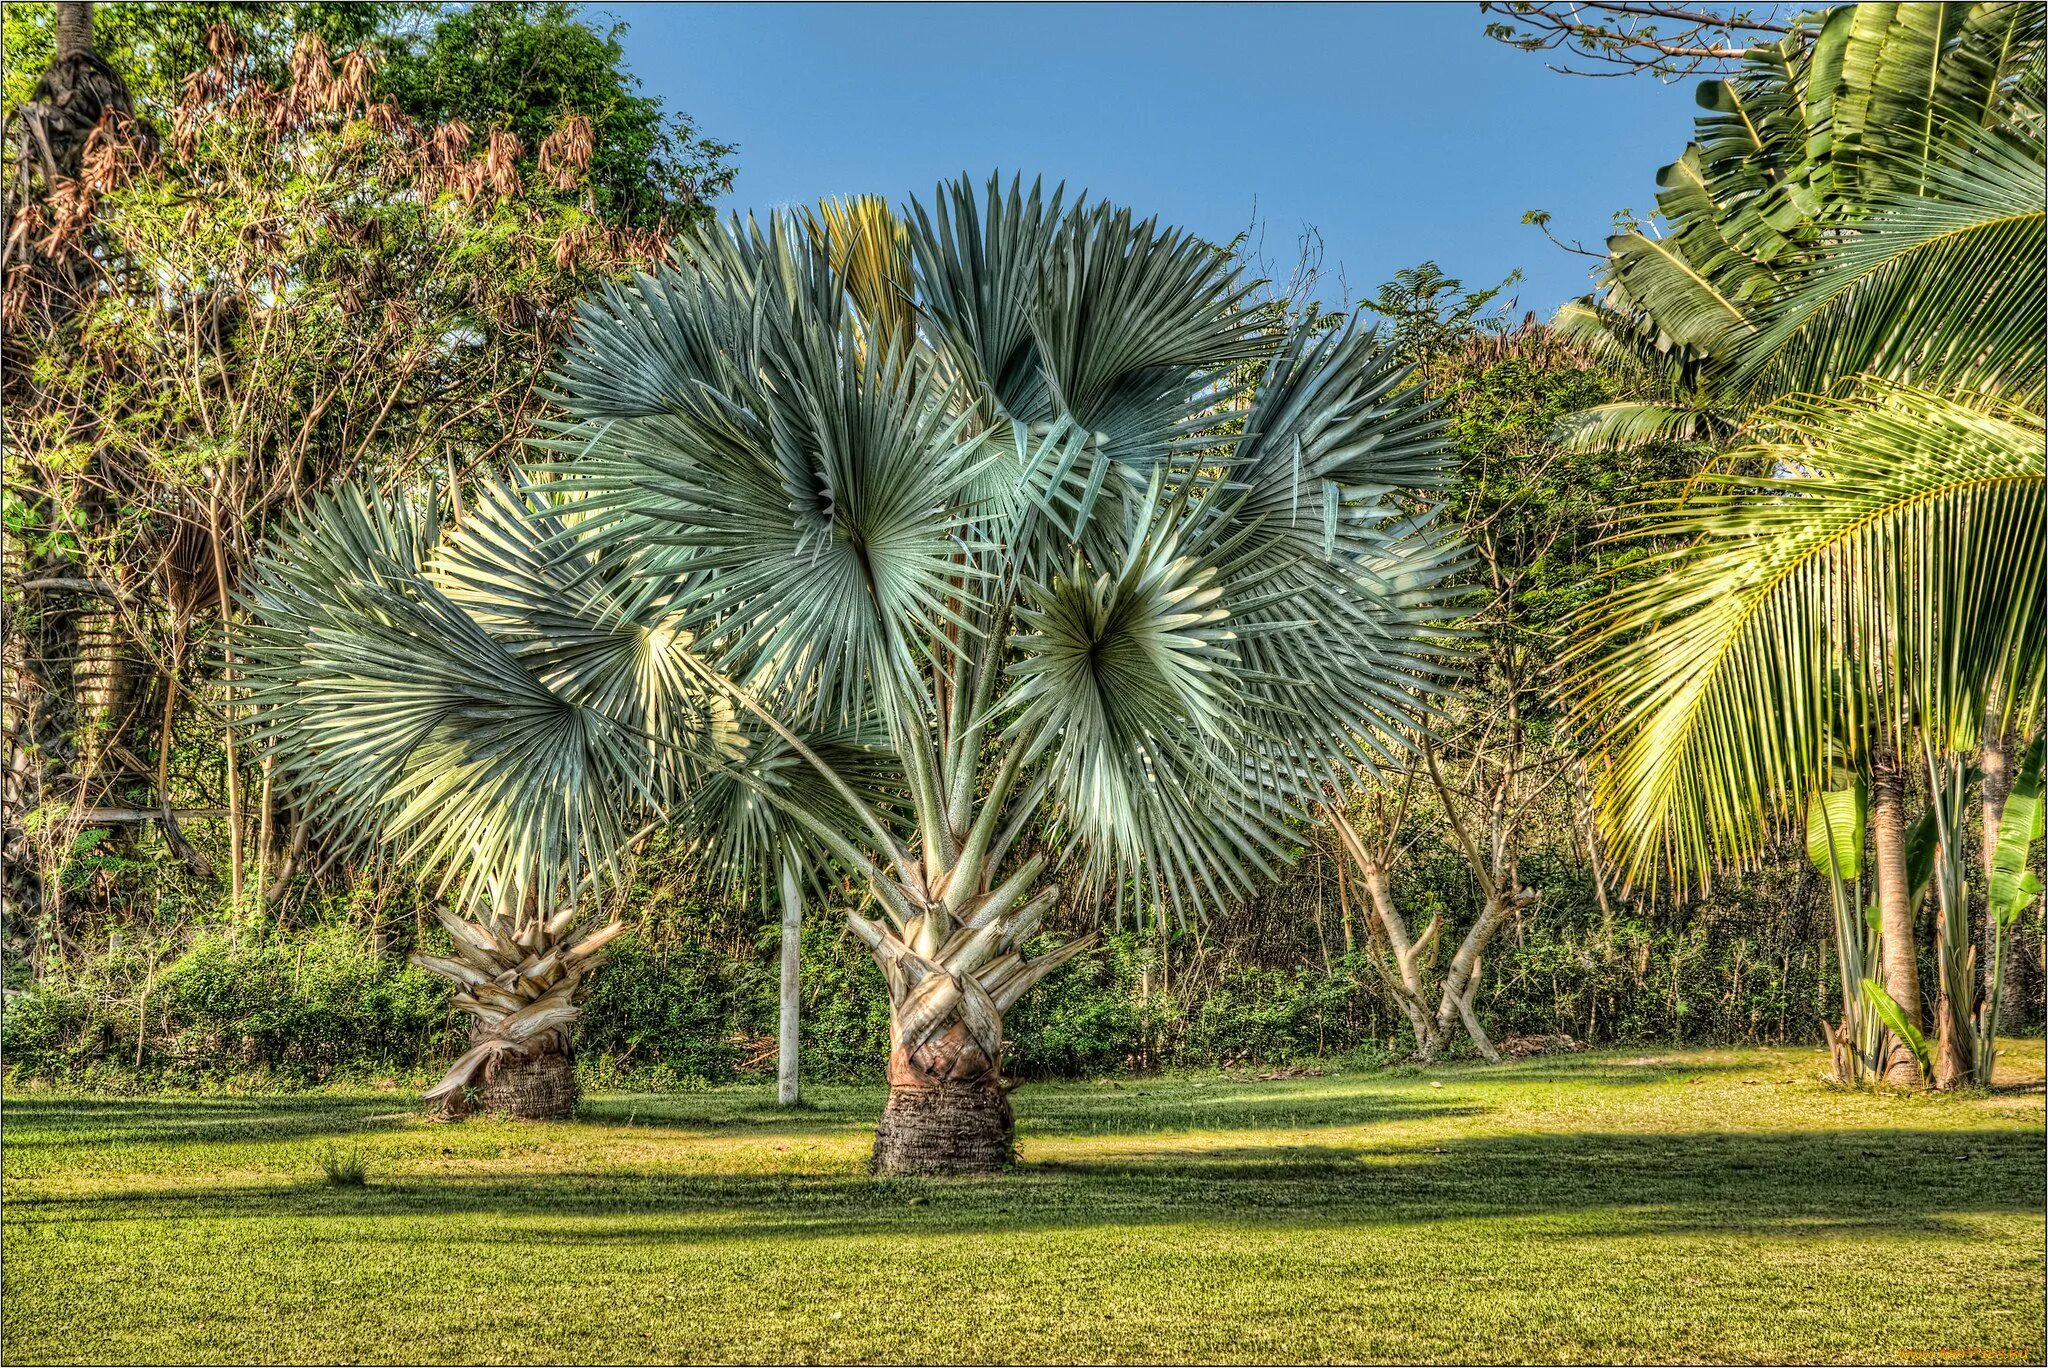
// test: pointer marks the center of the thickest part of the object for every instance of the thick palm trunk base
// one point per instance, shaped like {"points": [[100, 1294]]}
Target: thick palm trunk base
{"points": [[539, 1089], [950, 980], [955, 1129], [521, 985]]}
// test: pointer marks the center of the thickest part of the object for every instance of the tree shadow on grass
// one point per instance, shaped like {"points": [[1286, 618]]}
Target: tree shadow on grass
{"points": [[1805, 1184], [54, 1122]]}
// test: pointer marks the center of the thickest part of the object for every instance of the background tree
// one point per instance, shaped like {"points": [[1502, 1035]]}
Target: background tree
{"points": [[303, 285], [1534, 512], [522, 66], [156, 46]]}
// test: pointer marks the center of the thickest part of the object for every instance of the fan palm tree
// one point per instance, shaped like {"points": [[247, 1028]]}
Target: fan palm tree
{"points": [[1859, 218], [486, 703], [994, 496]]}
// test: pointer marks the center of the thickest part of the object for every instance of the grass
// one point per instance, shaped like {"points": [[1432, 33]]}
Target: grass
{"points": [[1720, 1206], [345, 1168]]}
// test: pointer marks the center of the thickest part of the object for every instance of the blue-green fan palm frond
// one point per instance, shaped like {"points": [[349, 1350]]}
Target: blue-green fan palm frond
{"points": [[395, 665]]}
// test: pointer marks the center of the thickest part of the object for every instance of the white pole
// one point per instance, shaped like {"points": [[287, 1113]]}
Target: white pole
{"points": [[786, 1093]]}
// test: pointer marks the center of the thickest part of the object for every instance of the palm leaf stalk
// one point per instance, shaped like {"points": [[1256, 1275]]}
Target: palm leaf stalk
{"points": [[1118, 624], [2011, 890], [485, 706], [1836, 823]]}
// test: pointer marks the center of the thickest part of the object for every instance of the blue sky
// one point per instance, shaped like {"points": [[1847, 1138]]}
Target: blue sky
{"points": [[1400, 131]]}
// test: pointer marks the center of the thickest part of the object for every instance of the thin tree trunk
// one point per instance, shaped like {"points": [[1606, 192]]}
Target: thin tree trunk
{"points": [[788, 1041], [1895, 910], [227, 679], [1405, 980], [1461, 980]]}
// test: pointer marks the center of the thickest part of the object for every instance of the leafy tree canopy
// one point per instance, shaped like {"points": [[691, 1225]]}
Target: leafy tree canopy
{"points": [[522, 66], [512, 67]]}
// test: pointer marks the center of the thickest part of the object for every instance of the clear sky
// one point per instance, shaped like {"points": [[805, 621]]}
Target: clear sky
{"points": [[1400, 131]]}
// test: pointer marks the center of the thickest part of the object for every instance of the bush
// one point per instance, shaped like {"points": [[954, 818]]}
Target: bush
{"points": [[303, 1009], [685, 1010], [689, 998]]}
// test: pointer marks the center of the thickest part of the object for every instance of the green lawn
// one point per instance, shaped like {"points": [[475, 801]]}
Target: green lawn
{"points": [[1659, 1206]]}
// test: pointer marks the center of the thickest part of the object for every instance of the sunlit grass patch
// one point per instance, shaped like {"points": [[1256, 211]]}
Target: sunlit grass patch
{"points": [[1722, 1205]]}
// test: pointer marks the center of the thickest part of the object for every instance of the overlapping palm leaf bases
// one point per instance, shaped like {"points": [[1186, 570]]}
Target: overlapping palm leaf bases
{"points": [[1881, 580], [1864, 198], [495, 710], [1110, 645]]}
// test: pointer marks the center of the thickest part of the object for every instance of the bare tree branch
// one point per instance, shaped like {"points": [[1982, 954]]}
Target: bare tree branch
{"points": [[1624, 38]]}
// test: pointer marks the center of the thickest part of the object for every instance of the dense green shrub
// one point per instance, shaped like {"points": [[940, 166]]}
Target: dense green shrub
{"points": [[690, 997], [315, 1004]]}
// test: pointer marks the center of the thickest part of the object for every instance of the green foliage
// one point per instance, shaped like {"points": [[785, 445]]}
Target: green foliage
{"points": [[156, 46], [520, 66], [299, 1009], [1429, 312], [2014, 885], [1835, 821], [682, 1012], [1544, 513], [513, 66], [1870, 566]]}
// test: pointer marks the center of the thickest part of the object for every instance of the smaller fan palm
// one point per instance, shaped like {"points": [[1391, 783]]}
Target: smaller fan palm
{"points": [[488, 706]]}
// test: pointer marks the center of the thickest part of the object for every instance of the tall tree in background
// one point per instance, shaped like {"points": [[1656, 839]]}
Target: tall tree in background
{"points": [[516, 67], [1534, 512], [304, 285], [519, 66], [1859, 218]]}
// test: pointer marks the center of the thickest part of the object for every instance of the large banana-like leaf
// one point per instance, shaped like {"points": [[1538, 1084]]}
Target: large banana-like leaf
{"points": [[1835, 821], [2014, 884], [1905, 552]]}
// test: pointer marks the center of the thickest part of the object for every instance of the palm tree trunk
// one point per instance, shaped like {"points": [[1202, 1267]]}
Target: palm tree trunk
{"points": [[521, 980], [74, 28], [952, 972], [948, 1110], [1895, 910], [788, 1038]]}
